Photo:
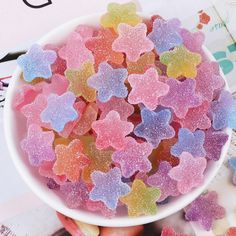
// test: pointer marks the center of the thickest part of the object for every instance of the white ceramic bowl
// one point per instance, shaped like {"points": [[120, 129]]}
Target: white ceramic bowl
{"points": [[15, 131]]}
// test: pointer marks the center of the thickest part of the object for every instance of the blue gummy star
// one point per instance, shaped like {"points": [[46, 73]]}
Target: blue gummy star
{"points": [[166, 34], [108, 187], [223, 111], [189, 142], [232, 164], [155, 126], [109, 82], [36, 63], [59, 110]]}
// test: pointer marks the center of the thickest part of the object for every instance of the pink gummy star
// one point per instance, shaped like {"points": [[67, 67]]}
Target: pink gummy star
{"points": [[38, 145], [208, 80], [181, 96], [85, 31], [147, 89], [132, 41], [111, 131], [189, 172], [117, 104], [133, 157], [74, 52]]}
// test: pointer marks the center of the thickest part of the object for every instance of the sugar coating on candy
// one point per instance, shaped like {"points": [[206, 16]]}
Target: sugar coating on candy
{"points": [[111, 131], [120, 13], [162, 180], [166, 34], [74, 52], [101, 46], [223, 111], [232, 164], [59, 110], [196, 118], [38, 145], [116, 104], [132, 41], [109, 82], [213, 144], [231, 231], [208, 80], [191, 142], [181, 96], [85, 31], [181, 62], [75, 194], [141, 65], [133, 157], [205, 210], [78, 81], [70, 160], [36, 63], [155, 126], [189, 172], [142, 199], [108, 187], [169, 231], [147, 89], [99, 159]]}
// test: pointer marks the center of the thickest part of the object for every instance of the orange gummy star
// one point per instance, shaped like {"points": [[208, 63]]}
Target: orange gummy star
{"points": [[70, 160], [78, 81]]}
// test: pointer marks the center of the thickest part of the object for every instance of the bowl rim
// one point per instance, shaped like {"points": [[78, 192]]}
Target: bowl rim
{"points": [[76, 214]]}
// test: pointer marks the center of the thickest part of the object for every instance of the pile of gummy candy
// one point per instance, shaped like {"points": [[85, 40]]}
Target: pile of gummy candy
{"points": [[126, 115]]}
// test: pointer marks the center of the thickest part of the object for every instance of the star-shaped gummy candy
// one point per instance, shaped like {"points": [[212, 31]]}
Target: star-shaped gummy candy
{"points": [[120, 13], [108, 187], [181, 62], [181, 96], [205, 210], [59, 110], [169, 231], [78, 81], [132, 41], [166, 34], [232, 164], [111, 131], [109, 82], [70, 160], [141, 200], [191, 142], [133, 157], [189, 172], [74, 52], [223, 111], [147, 89], [208, 80], [101, 46], [162, 180], [155, 126], [38, 145], [36, 63]]}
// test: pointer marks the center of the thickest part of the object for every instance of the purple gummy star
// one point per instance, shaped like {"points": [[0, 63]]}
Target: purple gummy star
{"points": [[189, 142], [223, 111], [181, 96], [208, 80], [59, 110], [75, 194], [155, 126], [205, 210], [162, 180], [133, 157], [214, 142], [36, 63], [166, 34], [38, 145], [108, 187], [109, 82], [232, 164]]}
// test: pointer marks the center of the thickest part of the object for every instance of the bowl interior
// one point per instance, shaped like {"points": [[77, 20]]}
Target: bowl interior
{"points": [[15, 131]]}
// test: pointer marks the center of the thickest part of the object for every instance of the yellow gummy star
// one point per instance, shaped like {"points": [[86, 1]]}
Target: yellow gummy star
{"points": [[78, 81], [141, 200], [120, 13], [181, 62]]}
